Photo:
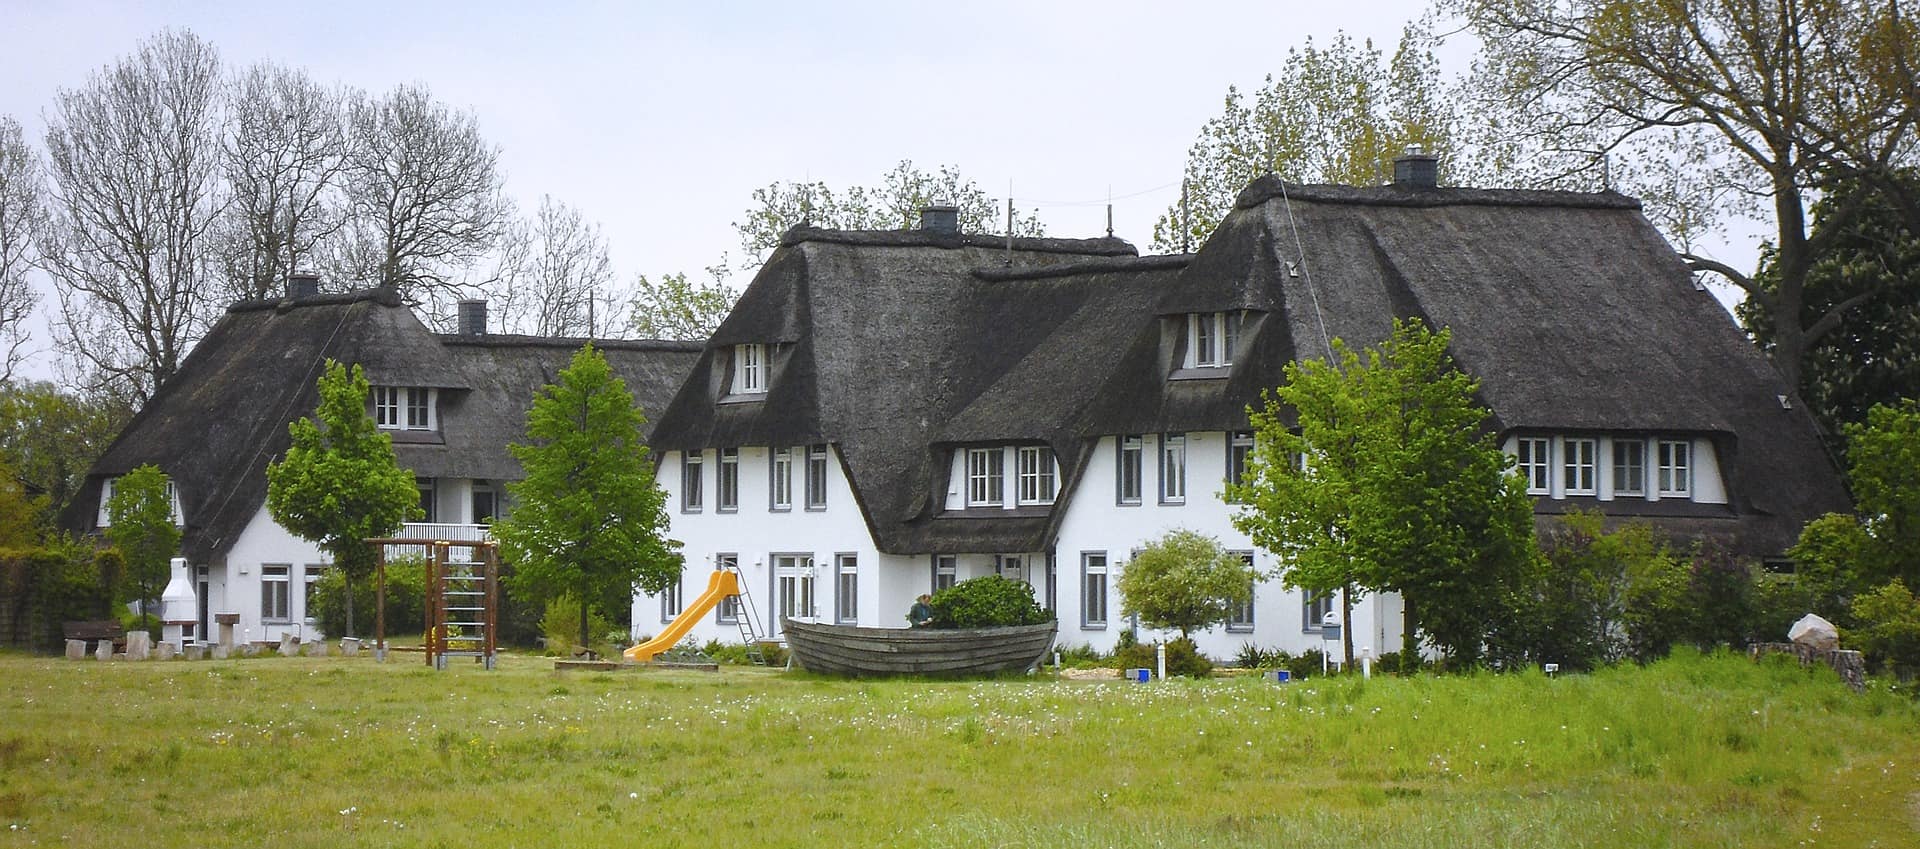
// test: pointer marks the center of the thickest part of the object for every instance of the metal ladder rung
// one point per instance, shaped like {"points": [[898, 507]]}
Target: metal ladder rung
{"points": [[464, 625]]}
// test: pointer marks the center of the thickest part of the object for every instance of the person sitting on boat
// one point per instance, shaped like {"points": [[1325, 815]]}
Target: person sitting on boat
{"points": [[922, 613]]}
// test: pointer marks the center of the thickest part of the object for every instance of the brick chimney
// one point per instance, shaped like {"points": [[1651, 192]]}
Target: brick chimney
{"points": [[1416, 170], [472, 317], [940, 219]]}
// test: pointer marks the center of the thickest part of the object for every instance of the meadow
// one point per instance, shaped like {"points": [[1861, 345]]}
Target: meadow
{"points": [[297, 752]]}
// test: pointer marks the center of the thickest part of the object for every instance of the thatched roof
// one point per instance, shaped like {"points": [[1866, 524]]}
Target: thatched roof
{"points": [[223, 417], [1576, 316]]}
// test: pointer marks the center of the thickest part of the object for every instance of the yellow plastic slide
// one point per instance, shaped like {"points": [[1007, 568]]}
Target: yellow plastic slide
{"points": [[724, 583]]}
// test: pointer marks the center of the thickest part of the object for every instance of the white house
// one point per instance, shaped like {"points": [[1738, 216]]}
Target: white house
{"points": [[884, 413]]}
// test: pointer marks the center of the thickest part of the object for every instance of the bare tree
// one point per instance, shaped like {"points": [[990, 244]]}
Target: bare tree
{"points": [[134, 157], [895, 204], [555, 278], [283, 153], [423, 196], [20, 219], [673, 307]]}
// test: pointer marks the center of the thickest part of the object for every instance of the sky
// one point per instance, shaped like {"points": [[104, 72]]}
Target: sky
{"points": [[659, 120]]}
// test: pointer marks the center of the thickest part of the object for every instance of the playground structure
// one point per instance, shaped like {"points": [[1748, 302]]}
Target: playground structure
{"points": [[722, 585], [462, 604]]}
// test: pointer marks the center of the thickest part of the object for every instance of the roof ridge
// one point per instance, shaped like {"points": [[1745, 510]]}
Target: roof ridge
{"points": [[510, 340], [1100, 246], [1270, 187], [385, 296]]}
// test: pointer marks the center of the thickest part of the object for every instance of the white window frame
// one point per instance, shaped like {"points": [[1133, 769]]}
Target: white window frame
{"points": [[846, 589], [420, 409], [1241, 620], [1094, 571], [276, 593], [105, 519], [946, 572], [780, 480], [727, 612], [670, 602], [1580, 466], [1036, 474], [726, 496], [817, 477], [310, 575], [1239, 452], [1630, 467], [793, 590], [1675, 459], [1533, 456], [692, 480], [1173, 468], [1314, 610], [388, 405], [1210, 339], [986, 477], [1013, 567], [429, 489], [1129, 469], [750, 369]]}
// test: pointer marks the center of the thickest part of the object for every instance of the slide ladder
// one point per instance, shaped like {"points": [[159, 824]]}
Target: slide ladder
{"points": [[747, 619]]}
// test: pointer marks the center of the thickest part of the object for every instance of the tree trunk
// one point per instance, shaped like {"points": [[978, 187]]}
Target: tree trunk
{"points": [[1346, 623], [1409, 640], [347, 578]]}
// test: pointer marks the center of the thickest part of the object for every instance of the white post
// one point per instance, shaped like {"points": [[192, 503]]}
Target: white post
{"points": [[1160, 656]]}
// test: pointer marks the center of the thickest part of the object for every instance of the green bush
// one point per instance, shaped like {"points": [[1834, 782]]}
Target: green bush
{"points": [[562, 627], [406, 600], [1183, 658], [1084, 656], [1399, 663], [1307, 663], [987, 602], [1889, 629]]}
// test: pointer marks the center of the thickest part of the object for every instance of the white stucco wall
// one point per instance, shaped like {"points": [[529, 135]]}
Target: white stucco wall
{"points": [[236, 589]]}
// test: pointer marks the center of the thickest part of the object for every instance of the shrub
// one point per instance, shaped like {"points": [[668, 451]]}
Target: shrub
{"points": [[987, 602], [1084, 656], [1183, 658], [1889, 629], [1306, 663], [1399, 663], [406, 600], [562, 627]]}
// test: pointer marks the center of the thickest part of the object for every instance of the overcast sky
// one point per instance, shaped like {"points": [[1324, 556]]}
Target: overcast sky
{"points": [[658, 121]]}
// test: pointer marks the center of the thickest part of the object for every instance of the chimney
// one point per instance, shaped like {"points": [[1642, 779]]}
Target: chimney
{"points": [[1417, 170], [944, 220], [473, 318], [303, 284]]}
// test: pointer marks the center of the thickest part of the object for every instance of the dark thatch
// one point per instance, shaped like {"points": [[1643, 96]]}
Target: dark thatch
{"points": [[216, 425], [902, 347]]}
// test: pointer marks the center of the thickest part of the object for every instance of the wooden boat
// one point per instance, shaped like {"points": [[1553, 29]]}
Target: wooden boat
{"points": [[852, 650]]}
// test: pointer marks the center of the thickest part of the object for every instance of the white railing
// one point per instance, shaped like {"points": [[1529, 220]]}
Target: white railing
{"points": [[439, 531]]}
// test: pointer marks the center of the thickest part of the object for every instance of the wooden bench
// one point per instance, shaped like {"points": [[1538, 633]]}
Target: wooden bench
{"points": [[95, 630]]}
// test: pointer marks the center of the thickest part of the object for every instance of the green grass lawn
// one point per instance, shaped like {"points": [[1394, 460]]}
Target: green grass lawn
{"points": [[292, 752]]}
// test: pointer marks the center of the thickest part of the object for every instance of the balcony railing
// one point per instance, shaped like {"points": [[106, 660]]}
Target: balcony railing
{"points": [[439, 531]]}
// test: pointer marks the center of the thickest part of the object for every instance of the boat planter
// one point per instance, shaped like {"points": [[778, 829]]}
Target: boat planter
{"points": [[852, 650]]}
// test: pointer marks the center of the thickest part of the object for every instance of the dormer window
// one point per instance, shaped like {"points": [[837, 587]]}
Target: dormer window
{"points": [[404, 408], [985, 470], [1211, 338], [749, 369], [1036, 475]]}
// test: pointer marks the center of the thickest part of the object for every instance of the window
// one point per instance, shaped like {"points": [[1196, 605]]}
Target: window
{"points": [[274, 593], [946, 570], [846, 597], [386, 407], [780, 483], [1242, 617], [1173, 468], [727, 491], [1676, 474], [1314, 611], [486, 503], [727, 612], [428, 500], [418, 406], [1239, 449], [1533, 464], [749, 369], [670, 602], [312, 586], [1578, 466], [690, 480], [1011, 567], [1036, 475], [817, 477], [1053, 582], [1629, 467], [793, 586], [1211, 338], [984, 469], [1130, 450], [1093, 590]]}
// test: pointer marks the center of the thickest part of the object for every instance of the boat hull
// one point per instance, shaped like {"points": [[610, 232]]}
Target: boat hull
{"points": [[856, 651]]}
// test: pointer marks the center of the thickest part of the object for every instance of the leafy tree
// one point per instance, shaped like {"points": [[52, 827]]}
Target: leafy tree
{"points": [[555, 277], [21, 220], [134, 158], [589, 520], [895, 204], [1733, 108], [51, 437], [339, 484], [673, 307], [20, 514], [1871, 356], [1889, 630], [1185, 580], [1422, 501], [1334, 114], [1884, 468], [140, 513]]}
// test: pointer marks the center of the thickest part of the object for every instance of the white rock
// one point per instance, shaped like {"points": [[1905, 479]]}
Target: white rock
{"points": [[1814, 633]]}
